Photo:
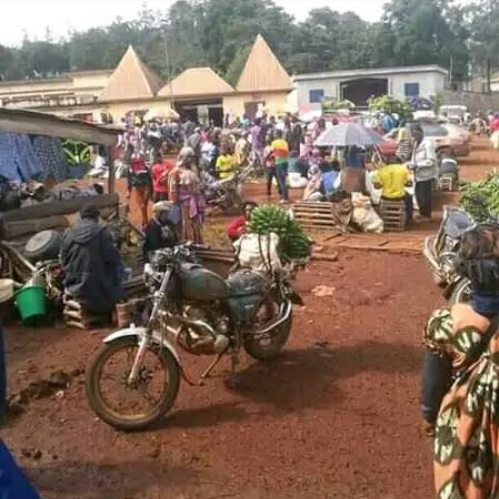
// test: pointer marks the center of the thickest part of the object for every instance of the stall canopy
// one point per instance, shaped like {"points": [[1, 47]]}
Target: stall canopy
{"points": [[31, 122]]}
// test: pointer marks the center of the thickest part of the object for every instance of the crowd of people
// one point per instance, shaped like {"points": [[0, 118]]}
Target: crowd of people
{"points": [[283, 150]]}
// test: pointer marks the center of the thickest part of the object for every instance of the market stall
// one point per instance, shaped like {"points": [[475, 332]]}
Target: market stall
{"points": [[31, 228]]}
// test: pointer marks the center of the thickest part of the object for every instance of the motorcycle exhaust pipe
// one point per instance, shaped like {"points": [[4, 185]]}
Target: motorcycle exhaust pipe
{"points": [[197, 324]]}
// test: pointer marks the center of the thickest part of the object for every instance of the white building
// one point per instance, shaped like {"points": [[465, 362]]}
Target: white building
{"points": [[360, 84]]}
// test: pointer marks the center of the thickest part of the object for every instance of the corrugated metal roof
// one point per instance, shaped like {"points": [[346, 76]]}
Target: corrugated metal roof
{"points": [[196, 82], [263, 71], [32, 122], [132, 79]]}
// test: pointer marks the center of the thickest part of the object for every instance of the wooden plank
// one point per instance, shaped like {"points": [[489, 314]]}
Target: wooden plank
{"points": [[333, 236], [13, 230], [60, 207], [306, 216], [318, 223]]}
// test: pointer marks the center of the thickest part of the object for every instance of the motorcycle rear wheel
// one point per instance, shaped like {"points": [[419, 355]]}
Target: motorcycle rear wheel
{"points": [[259, 350], [133, 422]]}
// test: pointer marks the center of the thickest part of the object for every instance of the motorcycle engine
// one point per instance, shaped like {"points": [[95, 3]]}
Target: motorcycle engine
{"points": [[203, 332]]}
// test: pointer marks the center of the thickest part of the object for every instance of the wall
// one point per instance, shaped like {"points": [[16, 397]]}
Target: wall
{"points": [[20, 88], [430, 83], [474, 101], [91, 81], [275, 102], [330, 86], [119, 109]]}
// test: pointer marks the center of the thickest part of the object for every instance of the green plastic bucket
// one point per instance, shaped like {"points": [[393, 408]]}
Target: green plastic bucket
{"points": [[32, 303]]}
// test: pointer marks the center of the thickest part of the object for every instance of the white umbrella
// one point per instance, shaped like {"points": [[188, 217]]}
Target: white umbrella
{"points": [[164, 114], [310, 116], [348, 134]]}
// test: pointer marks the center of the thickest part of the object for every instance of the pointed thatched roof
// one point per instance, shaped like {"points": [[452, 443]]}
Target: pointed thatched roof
{"points": [[196, 82], [132, 79], [263, 71]]}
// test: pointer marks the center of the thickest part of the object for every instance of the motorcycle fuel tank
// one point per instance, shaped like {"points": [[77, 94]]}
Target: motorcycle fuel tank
{"points": [[200, 284]]}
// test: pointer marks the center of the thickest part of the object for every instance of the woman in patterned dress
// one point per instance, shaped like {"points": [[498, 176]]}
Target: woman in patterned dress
{"points": [[185, 192], [465, 340]]}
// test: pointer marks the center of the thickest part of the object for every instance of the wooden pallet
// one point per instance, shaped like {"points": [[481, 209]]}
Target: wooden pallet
{"points": [[392, 243], [318, 216], [393, 215]]}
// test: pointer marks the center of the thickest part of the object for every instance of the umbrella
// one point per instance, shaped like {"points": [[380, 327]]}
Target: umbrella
{"points": [[310, 116], [167, 114], [348, 134]]}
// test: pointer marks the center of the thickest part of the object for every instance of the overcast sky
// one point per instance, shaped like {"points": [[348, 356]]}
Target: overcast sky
{"points": [[33, 16]]}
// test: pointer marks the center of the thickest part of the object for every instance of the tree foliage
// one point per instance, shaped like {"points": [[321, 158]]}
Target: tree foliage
{"points": [[219, 33]]}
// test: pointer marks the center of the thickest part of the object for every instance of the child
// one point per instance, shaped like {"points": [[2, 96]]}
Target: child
{"points": [[160, 170]]}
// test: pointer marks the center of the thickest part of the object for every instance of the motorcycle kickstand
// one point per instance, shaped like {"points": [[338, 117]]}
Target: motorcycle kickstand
{"points": [[205, 375], [234, 363], [212, 366]]}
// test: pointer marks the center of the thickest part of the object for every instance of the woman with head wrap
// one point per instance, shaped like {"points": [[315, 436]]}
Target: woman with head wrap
{"points": [[160, 232], [185, 192], [460, 382]]}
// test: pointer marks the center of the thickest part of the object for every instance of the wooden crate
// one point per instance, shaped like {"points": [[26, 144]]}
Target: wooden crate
{"points": [[446, 183], [318, 216], [393, 215]]}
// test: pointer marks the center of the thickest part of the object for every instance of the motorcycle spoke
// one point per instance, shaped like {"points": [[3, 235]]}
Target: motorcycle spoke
{"points": [[147, 396], [141, 396]]}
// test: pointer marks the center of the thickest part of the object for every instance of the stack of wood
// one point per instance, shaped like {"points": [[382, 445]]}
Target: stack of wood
{"points": [[74, 315], [393, 214]]}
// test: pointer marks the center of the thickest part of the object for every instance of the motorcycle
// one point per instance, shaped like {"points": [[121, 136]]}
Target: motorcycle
{"points": [[440, 251], [199, 312], [226, 194]]}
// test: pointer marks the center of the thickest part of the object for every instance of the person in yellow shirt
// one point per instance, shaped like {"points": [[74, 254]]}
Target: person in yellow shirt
{"points": [[392, 178], [280, 151], [225, 165]]}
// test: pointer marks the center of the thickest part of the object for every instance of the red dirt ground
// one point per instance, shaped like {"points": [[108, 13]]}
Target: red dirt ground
{"points": [[337, 416]]}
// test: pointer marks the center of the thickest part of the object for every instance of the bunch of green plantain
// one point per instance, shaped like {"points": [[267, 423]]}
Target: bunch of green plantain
{"points": [[294, 244], [481, 199]]}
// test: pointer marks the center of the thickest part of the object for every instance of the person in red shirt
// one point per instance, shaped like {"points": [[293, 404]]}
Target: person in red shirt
{"points": [[494, 125], [160, 170], [237, 227]]}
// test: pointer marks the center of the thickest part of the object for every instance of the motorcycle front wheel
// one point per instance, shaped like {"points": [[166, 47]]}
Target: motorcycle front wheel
{"points": [[132, 407]]}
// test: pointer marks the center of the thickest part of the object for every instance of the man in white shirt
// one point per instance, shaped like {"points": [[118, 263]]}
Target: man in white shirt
{"points": [[425, 167]]}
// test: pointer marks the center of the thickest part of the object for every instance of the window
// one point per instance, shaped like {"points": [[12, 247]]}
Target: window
{"points": [[316, 96], [412, 89]]}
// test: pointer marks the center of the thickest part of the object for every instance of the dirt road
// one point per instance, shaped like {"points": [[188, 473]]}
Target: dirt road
{"points": [[337, 416]]}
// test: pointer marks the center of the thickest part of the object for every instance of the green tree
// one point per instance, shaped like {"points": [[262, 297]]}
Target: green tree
{"points": [[422, 33], [483, 20]]}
